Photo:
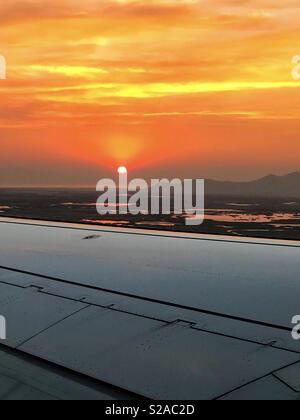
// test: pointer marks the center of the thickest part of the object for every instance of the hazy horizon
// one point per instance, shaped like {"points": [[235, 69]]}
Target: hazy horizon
{"points": [[114, 176]]}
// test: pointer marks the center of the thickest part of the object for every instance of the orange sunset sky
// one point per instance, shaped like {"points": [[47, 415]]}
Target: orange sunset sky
{"points": [[176, 88]]}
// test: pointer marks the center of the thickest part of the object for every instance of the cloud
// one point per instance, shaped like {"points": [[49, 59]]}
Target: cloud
{"points": [[158, 71]]}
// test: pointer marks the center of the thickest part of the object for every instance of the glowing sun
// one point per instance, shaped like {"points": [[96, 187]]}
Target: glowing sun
{"points": [[122, 170]]}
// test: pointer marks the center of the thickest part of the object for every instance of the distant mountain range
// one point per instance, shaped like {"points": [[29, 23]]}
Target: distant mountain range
{"points": [[287, 186]]}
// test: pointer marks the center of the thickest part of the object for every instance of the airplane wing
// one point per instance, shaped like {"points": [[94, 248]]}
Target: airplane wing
{"points": [[95, 312]]}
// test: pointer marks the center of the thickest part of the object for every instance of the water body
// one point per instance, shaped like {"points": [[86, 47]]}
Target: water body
{"points": [[274, 218]]}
